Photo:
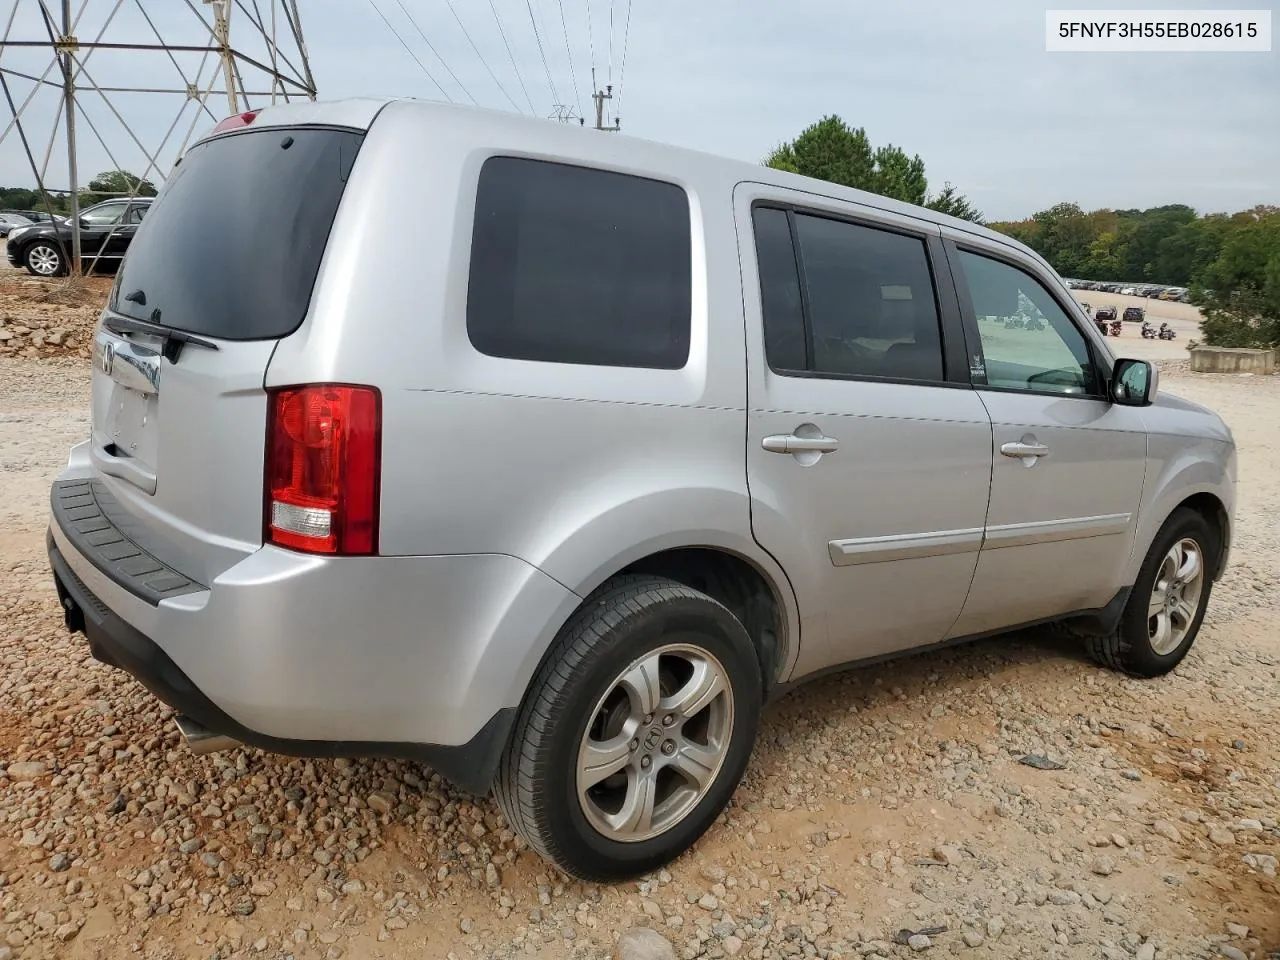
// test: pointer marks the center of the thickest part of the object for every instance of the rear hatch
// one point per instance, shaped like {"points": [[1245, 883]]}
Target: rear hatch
{"points": [[222, 267]]}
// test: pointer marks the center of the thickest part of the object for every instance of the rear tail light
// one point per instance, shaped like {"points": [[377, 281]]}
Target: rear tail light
{"points": [[323, 469], [236, 120]]}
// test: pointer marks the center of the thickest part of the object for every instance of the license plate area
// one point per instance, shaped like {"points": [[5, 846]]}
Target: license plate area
{"points": [[131, 426], [128, 380]]}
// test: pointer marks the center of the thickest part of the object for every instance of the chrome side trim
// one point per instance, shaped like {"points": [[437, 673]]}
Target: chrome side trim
{"points": [[1051, 531], [127, 363], [910, 546]]}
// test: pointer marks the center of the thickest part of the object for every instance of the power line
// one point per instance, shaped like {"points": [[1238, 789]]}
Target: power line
{"points": [[622, 72], [610, 42], [506, 43], [409, 51], [467, 34], [577, 94], [555, 97], [430, 47], [591, 42]]}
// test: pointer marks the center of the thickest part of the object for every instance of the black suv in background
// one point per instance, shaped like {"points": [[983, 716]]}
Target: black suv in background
{"points": [[106, 230], [1134, 314]]}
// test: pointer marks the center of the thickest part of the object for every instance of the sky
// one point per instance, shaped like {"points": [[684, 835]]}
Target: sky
{"points": [[968, 86]]}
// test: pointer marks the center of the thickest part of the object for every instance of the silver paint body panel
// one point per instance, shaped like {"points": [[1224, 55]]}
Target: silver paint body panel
{"points": [[512, 489]]}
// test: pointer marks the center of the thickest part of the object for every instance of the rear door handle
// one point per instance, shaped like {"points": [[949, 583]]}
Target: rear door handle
{"points": [[790, 443], [1023, 450]]}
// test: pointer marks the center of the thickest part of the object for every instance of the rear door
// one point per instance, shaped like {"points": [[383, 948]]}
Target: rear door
{"points": [[868, 454], [97, 226], [221, 267], [1068, 464]]}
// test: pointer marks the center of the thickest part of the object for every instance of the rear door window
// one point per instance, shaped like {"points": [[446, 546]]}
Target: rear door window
{"points": [[576, 265], [232, 246], [868, 309]]}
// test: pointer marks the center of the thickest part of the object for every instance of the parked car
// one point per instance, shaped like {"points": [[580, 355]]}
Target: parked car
{"points": [[36, 216], [106, 230], [1172, 293], [1134, 314], [11, 221], [555, 497], [1106, 314]]}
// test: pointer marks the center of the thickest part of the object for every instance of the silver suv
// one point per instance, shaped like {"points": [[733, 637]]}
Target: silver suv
{"points": [[546, 458]]}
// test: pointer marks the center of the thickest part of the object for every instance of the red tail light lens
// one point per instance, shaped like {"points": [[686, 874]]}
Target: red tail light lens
{"points": [[236, 120], [323, 470]]}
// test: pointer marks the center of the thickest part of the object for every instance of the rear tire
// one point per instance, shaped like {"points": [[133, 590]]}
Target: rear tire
{"points": [[635, 731], [45, 259], [1166, 606]]}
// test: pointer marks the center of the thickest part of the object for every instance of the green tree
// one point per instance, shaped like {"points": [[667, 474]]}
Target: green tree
{"points": [[832, 150], [953, 203], [900, 176], [1064, 238], [1239, 292], [829, 150], [119, 183]]}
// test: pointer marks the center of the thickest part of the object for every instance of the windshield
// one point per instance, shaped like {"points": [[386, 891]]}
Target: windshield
{"points": [[232, 246]]}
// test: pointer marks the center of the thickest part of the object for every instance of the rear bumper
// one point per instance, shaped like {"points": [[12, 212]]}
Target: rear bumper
{"points": [[425, 658], [112, 641]]}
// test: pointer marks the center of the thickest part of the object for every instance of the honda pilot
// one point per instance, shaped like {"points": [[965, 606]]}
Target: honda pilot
{"points": [[627, 441]]}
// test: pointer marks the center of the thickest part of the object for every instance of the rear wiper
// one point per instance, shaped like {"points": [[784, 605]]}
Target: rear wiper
{"points": [[174, 340]]}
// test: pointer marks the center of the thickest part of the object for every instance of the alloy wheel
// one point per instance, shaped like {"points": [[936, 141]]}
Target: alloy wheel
{"points": [[1175, 596], [655, 743]]}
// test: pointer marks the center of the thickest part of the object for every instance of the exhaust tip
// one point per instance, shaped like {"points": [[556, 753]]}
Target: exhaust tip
{"points": [[201, 740]]}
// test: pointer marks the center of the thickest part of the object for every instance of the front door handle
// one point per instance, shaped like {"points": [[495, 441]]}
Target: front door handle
{"points": [[1023, 450], [790, 443]]}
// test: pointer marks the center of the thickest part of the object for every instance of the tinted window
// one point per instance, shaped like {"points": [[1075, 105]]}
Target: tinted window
{"points": [[1028, 341], [872, 310], [104, 215], [232, 246], [784, 336], [573, 265]]}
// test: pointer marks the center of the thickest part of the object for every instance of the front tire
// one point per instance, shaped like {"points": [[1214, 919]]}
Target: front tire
{"points": [[1167, 605], [635, 731], [45, 260]]}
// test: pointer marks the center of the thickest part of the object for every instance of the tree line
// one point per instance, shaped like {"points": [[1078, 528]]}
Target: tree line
{"points": [[110, 183], [1230, 262]]}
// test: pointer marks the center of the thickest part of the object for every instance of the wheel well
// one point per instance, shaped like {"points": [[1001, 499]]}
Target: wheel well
{"points": [[1211, 508], [737, 584]]}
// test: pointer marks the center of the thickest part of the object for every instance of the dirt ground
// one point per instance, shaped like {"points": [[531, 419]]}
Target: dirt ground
{"points": [[882, 803]]}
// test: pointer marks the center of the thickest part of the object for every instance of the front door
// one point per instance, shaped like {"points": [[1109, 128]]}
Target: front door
{"points": [[1068, 464], [868, 452]]}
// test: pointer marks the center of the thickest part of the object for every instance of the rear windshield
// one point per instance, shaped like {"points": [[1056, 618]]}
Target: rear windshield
{"points": [[232, 246]]}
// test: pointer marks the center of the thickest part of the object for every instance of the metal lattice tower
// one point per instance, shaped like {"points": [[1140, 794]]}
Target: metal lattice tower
{"points": [[129, 81]]}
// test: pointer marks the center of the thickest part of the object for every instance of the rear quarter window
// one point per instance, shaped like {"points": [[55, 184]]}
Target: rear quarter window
{"points": [[576, 265]]}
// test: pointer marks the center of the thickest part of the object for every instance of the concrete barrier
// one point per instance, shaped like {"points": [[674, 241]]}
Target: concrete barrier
{"points": [[1232, 360]]}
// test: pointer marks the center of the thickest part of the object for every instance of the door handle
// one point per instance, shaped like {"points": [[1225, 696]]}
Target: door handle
{"points": [[790, 443], [1022, 450]]}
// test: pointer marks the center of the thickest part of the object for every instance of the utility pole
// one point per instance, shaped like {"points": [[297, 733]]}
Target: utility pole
{"points": [[222, 36], [600, 96], [66, 47]]}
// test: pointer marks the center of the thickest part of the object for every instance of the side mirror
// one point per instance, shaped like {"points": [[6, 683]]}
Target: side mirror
{"points": [[1134, 383]]}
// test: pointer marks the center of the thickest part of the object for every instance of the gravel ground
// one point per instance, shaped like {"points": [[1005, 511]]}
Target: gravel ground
{"points": [[887, 812]]}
